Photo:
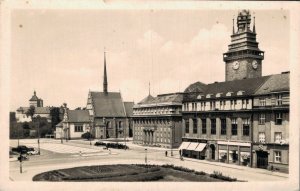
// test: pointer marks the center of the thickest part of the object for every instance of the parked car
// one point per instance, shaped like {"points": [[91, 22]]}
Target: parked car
{"points": [[22, 149], [33, 152]]}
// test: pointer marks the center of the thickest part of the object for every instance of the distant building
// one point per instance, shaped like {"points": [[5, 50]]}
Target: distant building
{"points": [[110, 115], [157, 121], [244, 120], [39, 110]]}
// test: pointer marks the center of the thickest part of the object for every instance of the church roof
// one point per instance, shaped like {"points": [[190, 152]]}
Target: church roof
{"points": [[247, 86], [78, 116], [129, 108], [196, 87], [108, 104], [276, 83]]}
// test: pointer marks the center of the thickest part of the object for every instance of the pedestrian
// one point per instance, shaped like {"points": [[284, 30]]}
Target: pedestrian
{"points": [[166, 153], [179, 152]]}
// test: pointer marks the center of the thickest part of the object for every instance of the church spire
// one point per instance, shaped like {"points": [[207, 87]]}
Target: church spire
{"points": [[34, 93], [149, 87], [105, 75], [254, 25]]}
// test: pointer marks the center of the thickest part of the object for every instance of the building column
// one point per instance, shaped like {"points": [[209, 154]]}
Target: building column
{"points": [[239, 153], [217, 151], [154, 137], [144, 137]]}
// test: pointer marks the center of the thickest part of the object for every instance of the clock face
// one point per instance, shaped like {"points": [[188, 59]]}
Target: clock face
{"points": [[235, 65], [254, 64]]}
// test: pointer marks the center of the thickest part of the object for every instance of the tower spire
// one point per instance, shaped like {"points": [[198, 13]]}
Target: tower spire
{"points": [[105, 75], [233, 26], [34, 92], [149, 87], [254, 25]]}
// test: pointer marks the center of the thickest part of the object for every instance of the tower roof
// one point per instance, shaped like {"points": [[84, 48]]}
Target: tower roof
{"points": [[105, 76], [34, 97]]}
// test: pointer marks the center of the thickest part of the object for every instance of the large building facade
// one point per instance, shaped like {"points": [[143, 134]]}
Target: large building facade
{"points": [[244, 120], [157, 121]]}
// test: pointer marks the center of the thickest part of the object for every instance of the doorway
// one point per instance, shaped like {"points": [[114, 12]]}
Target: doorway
{"points": [[262, 159]]}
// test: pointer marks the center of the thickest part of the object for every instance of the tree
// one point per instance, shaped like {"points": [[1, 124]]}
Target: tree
{"points": [[30, 112], [55, 116]]}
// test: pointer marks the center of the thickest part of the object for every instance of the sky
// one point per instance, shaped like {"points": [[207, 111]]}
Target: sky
{"points": [[59, 53]]}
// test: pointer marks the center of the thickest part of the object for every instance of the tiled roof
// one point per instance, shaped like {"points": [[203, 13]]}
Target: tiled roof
{"points": [[37, 110], [108, 104], [276, 83], [247, 86], [129, 108], [147, 99], [78, 116]]}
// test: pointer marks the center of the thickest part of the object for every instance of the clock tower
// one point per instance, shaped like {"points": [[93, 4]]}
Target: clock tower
{"points": [[243, 58]]}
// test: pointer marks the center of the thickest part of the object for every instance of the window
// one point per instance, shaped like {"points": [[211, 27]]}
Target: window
{"points": [[262, 118], [246, 126], [223, 126], [261, 137], [203, 126], [195, 126], [78, 128], [187, 126], [213, 126], [278, 118], [279, 99], [233, 126], [277, 156], [277, 137], [262, 102], [212, 105]]}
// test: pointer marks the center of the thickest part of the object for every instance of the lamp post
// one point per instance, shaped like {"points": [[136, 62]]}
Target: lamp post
{"points": [[146, 156], [39, 150]]}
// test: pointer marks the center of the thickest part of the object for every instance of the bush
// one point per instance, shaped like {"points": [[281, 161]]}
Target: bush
{"points": [[87, 135], [219, 175], [112, 145]]}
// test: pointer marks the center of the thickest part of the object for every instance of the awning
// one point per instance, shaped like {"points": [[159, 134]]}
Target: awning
{"points": [[192, 146], [184, 145], [200, 147]]}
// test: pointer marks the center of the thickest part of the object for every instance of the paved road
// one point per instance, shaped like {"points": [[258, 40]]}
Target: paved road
{"points": [[52, 158]]}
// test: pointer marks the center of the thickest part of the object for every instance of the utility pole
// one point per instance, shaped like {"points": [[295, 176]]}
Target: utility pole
{"points": [[39, 150]]}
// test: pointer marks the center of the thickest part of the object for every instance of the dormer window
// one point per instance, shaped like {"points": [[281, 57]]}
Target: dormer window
{"points": [[219, 94], [229, 94], [239, 93], [199, 96], [208, 95]]}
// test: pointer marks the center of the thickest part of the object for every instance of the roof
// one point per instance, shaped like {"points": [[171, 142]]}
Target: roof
{"points": [[78, 116], [129, 108], [108, 104], [276, 83], [147, 99], [60, 124], [34, 98], [174, 98], [247, 86], [37, 110], [196, 87]]}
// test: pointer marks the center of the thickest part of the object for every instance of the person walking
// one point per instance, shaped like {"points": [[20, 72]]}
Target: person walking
{"points": [[179, 152], [166, 153]]}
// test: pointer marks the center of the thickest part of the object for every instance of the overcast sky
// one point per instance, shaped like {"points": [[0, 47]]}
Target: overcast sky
{"points": [[59, 53]]}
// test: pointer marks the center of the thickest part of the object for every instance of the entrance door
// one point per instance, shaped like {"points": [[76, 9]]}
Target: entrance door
{"points": [[213, 150], [262, 159]]}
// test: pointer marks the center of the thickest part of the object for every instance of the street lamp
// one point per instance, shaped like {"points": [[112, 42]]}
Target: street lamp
{"points": [[146, 156], [39, 150]]}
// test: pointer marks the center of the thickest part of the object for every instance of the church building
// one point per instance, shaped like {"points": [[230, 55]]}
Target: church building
{"points": [[244, 120], [109, 114]]}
